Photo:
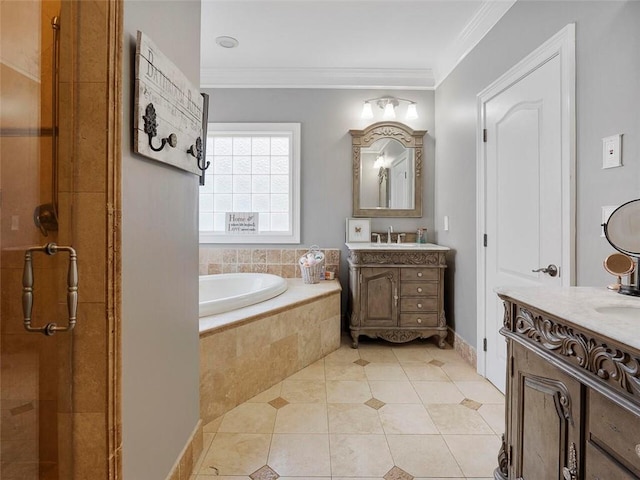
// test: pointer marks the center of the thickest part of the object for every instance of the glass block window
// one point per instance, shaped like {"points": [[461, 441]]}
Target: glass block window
{"points": [[254, 176]]}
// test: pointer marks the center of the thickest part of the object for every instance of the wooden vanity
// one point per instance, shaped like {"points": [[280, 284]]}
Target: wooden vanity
{"points": [[396, 292], [573, 385]]}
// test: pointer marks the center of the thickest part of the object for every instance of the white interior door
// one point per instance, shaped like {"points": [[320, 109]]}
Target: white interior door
{"points": [[525, 187]]}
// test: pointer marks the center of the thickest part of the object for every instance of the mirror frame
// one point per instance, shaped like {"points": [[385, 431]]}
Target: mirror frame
{"points": [[409, 138]]}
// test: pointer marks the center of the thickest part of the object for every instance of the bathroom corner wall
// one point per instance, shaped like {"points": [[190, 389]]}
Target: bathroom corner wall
{"points": [[160, 363]]}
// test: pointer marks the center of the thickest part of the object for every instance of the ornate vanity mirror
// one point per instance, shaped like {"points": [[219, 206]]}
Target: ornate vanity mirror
{"points": [[387, 170], [623, 233]]}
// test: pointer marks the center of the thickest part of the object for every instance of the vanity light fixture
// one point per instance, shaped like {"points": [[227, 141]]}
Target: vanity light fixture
{"points": [[388, 104]]}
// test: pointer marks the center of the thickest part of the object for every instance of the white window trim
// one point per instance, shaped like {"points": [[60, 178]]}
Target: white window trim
{"points": [[294, 184]]}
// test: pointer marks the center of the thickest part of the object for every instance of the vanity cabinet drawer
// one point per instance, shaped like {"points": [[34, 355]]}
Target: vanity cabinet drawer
{"points": [[414, 289], [428, 304], [418, 319], [599, 466], [615, 430], [423, 274]]}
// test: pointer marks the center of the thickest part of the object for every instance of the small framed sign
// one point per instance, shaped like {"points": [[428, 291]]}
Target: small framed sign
{"points": [[358, 230], [242, 223]]}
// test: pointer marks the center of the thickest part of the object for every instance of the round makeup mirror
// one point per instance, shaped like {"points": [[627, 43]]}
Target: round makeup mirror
{"points": [[623, 233], [618, 264]]}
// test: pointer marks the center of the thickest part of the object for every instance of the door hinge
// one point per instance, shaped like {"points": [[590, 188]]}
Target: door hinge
{"points": [[484, 344], [484, 239], [484, 135]]}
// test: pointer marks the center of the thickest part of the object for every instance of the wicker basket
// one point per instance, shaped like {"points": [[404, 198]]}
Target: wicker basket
{"points": [[312, 265]]}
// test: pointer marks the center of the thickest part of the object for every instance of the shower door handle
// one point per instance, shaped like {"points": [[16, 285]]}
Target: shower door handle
{"points": [[72, 289]]}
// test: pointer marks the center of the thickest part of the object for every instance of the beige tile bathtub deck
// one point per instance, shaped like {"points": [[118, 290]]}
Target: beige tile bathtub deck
{"points": [[380, 412]]}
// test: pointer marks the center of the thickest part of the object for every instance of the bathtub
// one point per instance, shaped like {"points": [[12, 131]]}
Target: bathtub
{"points": [[230, 291]]}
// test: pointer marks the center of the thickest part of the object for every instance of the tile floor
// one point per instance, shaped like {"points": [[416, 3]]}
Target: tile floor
{"points": [[383, 411]]}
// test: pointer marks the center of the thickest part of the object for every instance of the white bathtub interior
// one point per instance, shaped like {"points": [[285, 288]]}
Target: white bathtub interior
{"points": [[230, 291]]}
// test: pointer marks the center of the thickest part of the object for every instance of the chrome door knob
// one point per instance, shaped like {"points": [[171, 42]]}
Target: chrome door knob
{"points": [[551, 270]]}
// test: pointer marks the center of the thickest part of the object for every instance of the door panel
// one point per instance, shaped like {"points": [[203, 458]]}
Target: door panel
{"points": [[523, 194], [379, 292], [35, 370]]}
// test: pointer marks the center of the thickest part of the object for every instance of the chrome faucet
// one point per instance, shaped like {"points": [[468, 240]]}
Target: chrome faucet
{"points": [[389, 232]]}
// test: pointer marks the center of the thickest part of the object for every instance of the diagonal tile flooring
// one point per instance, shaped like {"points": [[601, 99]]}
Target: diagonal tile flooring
{"points": [[383, 411]]}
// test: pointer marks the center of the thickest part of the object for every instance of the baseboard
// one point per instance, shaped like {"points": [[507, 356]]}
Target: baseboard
{"points": [[183, 468], [466, 351]]}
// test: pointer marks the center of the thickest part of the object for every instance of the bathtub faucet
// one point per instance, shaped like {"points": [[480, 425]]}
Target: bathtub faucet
{"points": [[389, 232]]}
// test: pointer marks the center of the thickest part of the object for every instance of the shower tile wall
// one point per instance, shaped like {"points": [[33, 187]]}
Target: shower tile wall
{"points": [[282, 262]]}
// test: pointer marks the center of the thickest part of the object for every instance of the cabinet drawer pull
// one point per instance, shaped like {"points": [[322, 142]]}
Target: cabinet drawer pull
{"points": [[419, 320], [419, 305], [419, 289], [420, 274]]}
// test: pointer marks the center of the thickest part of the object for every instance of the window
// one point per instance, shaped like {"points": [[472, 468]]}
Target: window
{"points": [[252, 187]]}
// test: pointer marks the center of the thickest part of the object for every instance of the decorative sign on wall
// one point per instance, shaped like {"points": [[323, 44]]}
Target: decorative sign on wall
{"points": [[242, 222], [168, 111]]}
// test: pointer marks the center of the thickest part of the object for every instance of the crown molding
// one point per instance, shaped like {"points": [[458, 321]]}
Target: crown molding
{"points": [[489, 13], [349, 78]]}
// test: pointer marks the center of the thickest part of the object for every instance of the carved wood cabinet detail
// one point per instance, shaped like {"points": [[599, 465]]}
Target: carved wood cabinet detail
{"points": [[397, 296], [572, 401]]}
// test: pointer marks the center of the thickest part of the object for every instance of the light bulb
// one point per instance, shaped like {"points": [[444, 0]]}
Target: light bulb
{"points": [[412, 111], [367, 111], [389, 111]]}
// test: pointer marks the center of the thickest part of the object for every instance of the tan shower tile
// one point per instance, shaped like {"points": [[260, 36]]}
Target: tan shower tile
{"points": [[89, 437], [438, 392], [423, 455], [274, 269], [355, 418], [359, 455], [393, 392], [483, 461], [406, 419], [229, 268], [347, 391], [230, 255], [214, 268], [304, 391], [244, 268], [289, 271], [300, 454], [302, 418], [92, 41], [90, 237], [259, 267], [249, 418], [458, 420], [236, 454], [91, 138], [332, 256]]}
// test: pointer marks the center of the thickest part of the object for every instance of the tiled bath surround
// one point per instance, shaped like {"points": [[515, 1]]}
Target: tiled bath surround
{"points": [[273, 341], [282, 262]]}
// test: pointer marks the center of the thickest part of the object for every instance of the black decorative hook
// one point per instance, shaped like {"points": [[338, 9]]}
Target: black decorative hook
{"points": [[151, 129], [196, 151]]}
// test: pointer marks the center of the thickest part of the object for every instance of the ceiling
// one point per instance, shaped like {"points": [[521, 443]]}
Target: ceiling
{"points": [[403, 44]]}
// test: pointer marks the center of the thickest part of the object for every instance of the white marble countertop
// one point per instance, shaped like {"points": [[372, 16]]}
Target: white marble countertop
{"points": [[600, 310], [410, 247], [297, 293]]}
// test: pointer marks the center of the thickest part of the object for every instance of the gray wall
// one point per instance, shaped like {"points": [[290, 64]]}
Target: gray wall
{"points": [[326, 116], [607, 98], [160, 366]]}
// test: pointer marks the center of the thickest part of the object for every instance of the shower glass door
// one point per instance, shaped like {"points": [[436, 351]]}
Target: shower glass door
{"points": [[35, 368]]}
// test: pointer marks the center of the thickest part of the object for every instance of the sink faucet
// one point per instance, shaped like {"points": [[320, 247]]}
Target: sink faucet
{"points": [[389, 232]]}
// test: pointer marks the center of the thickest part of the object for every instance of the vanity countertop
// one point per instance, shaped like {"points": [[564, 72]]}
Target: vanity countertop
{"points": [[600, 310], [431, 247]]}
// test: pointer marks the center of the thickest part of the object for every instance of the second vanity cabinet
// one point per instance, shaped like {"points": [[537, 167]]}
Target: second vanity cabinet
{"points": [[395, 294], [573, 385]]}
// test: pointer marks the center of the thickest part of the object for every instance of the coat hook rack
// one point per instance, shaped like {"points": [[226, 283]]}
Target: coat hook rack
{"points": [[197, 152], [151, 129]]}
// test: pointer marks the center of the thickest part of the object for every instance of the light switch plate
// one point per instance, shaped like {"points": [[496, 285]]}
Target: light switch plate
{"points": [[606, 213], [446, 223], [611, 151]]}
